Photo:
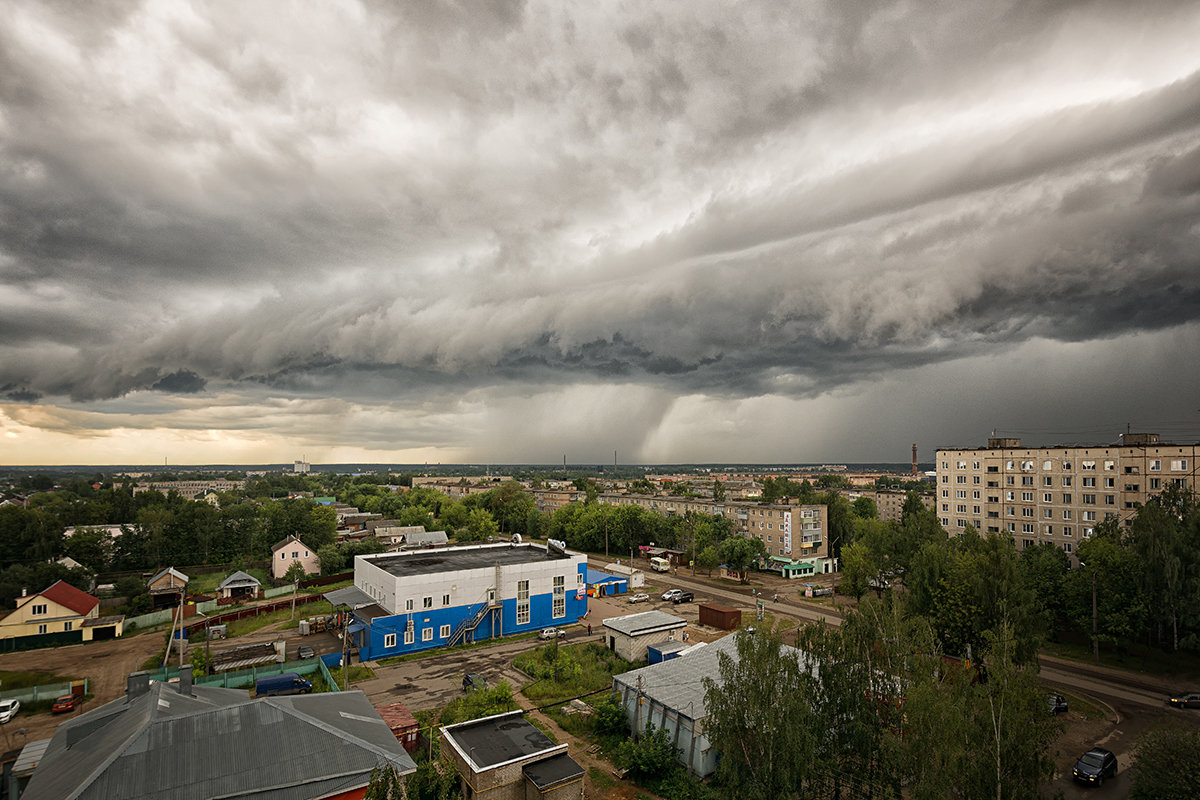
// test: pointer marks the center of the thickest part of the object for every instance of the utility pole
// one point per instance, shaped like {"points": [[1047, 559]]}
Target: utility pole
{"points": [[1095, 623]]}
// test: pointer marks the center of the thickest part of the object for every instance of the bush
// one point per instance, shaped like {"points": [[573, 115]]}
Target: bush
{"points": [[1165, 765], [651, 757]]}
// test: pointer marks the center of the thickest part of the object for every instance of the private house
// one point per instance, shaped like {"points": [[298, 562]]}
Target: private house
{"points": [[60, 609], [284, 552], [167, 588], [239, 585], [409, 601], [300, 747], [504, 757], [631, 635]]}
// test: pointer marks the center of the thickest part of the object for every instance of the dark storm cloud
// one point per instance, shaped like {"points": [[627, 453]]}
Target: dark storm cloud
{"points": [[409, 203]]}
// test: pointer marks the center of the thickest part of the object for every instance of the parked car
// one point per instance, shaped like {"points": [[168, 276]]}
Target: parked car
{"points": [[639, 598], [65, 703], [551, 633], [9, 709], [1058, 704], [306, 652], [287, 683], [683, 597], [671, 594], [1185, 699], [1094, 766]]}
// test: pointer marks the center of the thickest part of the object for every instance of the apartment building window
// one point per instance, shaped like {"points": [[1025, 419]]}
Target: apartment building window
{"points": [[974, 465], [1088, 499], [962, 523], [1089, 482], [444, 632], [1087, 532], [1087, 466], [426, 634], [1027, 497], [427, 602], [975, 480], [1066, 513], [408, 637], [1132, 487], [975, 495], [1047, 497], [945, 479], [1178, 465], [1011, 527], [1110, 483], [1008, 480], [1047, 481], [1155, 465], [945, 507], [560, 596], [1066, 481], [1066, 530], [1027, 527], [961, 465], [960, 478], [1066, 466], [1049, 530], [945, 492], [1010, 495], [1026, 512], [1026, 542], [1027, 480], [1047, 465], [993, 498], [445, 600], [1066, 497], [522, 602], [945, 522], [961, 494], [945, 465], [408, 604], [389, 640], [1047, 513], [1009, 464], [1026, 466], [1066, 547], [976, 510], [1089, 516], [962, 509], [38, 609], [1156, 483], [1012, 512], [1109, 466]]}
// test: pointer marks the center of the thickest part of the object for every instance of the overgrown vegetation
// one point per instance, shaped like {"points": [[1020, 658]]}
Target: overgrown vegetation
{"points": [[562, 672]]}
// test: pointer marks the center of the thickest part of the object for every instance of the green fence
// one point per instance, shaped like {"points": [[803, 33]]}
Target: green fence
{"points": [[45, 691], [247, 678], [37, 640]]}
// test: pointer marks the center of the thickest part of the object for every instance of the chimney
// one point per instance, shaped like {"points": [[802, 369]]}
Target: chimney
{"points": [[185, 679], [24, 591], [137, 684]]}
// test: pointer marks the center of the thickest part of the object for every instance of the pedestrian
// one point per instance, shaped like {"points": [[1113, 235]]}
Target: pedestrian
{"points": [[589, 629], [776, 598]]}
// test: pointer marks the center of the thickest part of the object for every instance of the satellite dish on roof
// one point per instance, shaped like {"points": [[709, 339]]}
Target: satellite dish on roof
{"points": [[516, 538]]}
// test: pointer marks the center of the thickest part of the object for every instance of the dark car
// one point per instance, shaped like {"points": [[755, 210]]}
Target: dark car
{"points": [[1185, 700], [65, 703], [1094, 766], [305, 652], [683, 597], [1058, 704]]}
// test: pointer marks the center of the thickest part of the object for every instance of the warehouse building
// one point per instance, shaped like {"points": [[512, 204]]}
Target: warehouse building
{"points": [[439, 597], [631, 635]]}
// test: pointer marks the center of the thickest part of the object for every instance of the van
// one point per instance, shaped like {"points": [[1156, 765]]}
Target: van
{"points": [[660, 564], [287, 683]]}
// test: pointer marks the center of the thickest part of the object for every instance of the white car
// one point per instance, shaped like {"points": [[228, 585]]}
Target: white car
{"points": [[671, 594], [551, 633], [639, 598], [9, 709]]}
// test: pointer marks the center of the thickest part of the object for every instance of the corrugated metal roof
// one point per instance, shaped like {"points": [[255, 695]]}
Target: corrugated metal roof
{"points": [[645, 622], [216, 743]]}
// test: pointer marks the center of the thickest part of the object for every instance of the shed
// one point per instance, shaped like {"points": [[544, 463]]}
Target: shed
{"points": [[239, 584], [637, 578], [167, 587], [657, 653], [602, 584], [401, 722], [631, 635], [720, 617]]}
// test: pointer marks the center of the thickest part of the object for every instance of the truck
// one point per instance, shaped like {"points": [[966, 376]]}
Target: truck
{"points": [[660, 564], [287, 683]]}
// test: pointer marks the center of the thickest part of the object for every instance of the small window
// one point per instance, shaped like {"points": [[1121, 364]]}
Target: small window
{"points": [[427, 634], [445, 600], [1047, 465], [408, 637], [444, 632], [1066, 481], [427, 602], [67, 625], [1178, 465], [408, 604], [38, 609], [1066, 547], [389, 640], [41, 628], [1155, 465]]}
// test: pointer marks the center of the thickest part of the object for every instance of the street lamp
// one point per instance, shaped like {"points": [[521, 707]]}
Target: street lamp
{"points": [[1095, 618]]}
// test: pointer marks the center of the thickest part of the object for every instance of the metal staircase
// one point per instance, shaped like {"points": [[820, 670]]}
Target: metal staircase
{"points": [[465, 632]]}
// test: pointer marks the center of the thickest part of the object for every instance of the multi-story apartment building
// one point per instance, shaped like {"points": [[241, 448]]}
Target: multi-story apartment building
{"points": [[1056, 494], [792, 533], [890, 502]]}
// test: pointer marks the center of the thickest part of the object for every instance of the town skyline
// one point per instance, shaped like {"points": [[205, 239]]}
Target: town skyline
{"points": [[695, 234]]}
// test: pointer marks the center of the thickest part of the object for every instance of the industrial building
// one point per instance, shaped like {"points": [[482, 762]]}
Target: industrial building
{"points": [[1056, 494], [405, 602], [631, 635]]}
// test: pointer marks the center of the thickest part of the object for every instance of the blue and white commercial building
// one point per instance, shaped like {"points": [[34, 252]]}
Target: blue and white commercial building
{"points": [[405, 602]]}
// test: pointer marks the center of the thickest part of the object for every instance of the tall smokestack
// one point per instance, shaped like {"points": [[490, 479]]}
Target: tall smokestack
{"points": [[914, 459]]}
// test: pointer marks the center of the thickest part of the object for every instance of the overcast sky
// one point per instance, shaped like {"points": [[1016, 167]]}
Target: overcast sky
{"points": [[249, 232]]}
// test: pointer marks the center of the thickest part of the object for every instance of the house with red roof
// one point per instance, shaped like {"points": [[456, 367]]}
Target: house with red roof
{"points": [[60, 609]]}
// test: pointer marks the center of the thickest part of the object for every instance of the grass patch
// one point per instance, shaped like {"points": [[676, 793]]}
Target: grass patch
{"points": [[241, 627], [207, 584], [1084, 707], [24, 680], [601, 779], [441, 651], [357, 673], [1134, 658], [563, 672], [328, 587]]}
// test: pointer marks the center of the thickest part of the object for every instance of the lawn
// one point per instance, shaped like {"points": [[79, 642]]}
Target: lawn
{"points": [[250, 624], [207, 584], [566, 671], [24, 680]]}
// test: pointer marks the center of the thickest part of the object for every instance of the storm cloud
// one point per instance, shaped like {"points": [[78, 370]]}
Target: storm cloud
{"points": [[411, 232]]}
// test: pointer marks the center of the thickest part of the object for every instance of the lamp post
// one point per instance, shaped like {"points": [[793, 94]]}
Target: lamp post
{"points": [[1095, 618]]}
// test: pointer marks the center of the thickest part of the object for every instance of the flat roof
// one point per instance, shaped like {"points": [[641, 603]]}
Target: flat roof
{"points": [[645, 622], [452, 559], [553, 770], [495, 740]]}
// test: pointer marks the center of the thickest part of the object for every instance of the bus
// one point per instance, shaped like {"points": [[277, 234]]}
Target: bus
{"points": [[660, 564]]}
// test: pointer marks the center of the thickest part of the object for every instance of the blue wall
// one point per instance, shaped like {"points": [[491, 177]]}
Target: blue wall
{"points": [[370, 642]]}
